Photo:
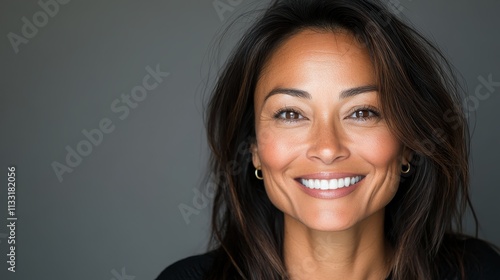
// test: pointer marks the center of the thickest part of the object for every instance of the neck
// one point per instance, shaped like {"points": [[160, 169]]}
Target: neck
{"points": [[357, 253]]}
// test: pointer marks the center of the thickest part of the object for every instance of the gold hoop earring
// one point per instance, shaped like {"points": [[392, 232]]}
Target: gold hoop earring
{"points": [[407, 169], [257, 174]]}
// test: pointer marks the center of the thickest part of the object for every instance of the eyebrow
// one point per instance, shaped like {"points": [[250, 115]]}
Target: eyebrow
{"points": [[304, 94]]}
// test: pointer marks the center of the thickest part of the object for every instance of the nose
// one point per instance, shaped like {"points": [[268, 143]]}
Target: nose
{"points": [[327, 143]]}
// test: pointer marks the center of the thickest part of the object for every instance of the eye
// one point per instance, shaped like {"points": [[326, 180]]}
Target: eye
{"points": [[288, 115], [362, 114]]}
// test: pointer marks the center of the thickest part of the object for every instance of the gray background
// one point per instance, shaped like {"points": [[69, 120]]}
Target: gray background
{"points": [[117, 214]]}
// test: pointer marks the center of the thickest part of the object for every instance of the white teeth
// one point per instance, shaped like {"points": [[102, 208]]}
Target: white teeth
{"points": [[324, 184], [347, 182], [331, 184]]}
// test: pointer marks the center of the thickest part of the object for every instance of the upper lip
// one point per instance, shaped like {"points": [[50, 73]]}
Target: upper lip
{"points": [[328, 175]]}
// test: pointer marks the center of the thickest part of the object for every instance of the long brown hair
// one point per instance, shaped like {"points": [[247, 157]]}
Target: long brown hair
{"points": [[421, 101]]}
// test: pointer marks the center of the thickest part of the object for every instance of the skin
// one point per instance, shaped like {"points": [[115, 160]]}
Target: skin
{"points": [[325, 133]]}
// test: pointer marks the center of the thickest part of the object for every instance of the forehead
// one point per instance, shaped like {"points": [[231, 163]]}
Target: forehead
{"points": [[311, 55]]}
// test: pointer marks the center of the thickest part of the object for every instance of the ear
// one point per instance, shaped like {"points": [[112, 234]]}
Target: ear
{"points": [[407, 155], [255, 155]]}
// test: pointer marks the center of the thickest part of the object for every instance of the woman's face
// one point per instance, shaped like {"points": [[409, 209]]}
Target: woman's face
{"points": [[327, 156]]}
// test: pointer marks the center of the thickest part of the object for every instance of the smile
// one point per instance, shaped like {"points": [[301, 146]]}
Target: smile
{"points": [[331, 184]]}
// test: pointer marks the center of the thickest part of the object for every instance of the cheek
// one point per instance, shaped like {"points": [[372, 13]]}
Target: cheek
{"points": [[381, 149], [277, 148]]}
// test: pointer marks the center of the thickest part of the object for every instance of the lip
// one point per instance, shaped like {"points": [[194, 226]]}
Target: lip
{"points": [[329, 194]]}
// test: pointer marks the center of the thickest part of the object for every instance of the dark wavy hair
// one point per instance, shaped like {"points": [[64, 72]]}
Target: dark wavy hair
{"points": [[420, 98]]}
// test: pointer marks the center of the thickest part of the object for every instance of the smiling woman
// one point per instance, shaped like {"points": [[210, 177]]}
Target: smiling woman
{"points": [[338, 101], [311, 146]]}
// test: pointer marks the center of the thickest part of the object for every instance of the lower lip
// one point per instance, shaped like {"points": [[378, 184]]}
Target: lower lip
{"points": [[329, 194]]}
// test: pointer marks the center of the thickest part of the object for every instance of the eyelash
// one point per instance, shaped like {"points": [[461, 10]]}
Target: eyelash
{"points": [[277, 114], [371, 110]]}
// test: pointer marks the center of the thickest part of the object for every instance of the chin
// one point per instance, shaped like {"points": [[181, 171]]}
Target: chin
{"points": [[336, 221], [328, 222]]}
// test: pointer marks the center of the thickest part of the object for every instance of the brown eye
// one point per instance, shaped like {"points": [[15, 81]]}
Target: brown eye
{"points": [[364, 114], [361, 114], [291, 115], [288, 115]]}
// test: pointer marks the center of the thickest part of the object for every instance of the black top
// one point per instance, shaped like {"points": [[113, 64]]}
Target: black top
{"points": [[481, 262]]}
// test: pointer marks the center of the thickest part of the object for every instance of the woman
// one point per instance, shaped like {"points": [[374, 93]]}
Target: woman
{"points": [[342, 148]]}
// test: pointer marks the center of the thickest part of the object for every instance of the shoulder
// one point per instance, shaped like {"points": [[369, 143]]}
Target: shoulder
{"points": [[192, 268], [481, 260]]}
